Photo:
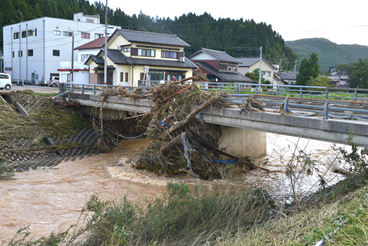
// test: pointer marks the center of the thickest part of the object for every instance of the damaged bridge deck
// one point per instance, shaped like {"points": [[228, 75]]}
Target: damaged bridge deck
{"points": [[331, 130]]}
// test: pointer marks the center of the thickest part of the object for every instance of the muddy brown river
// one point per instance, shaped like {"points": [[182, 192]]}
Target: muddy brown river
{"points": [[52, 199]]}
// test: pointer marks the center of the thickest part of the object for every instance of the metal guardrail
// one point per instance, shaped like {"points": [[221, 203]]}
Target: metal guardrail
{"points": [[304, 101]]}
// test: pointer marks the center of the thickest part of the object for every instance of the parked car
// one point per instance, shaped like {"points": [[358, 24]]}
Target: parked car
{"points": [[54, 81], [5, 81]]}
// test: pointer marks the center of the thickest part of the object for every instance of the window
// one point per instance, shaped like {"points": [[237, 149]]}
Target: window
{"points": [[146, 52], [85, 35], [126, 49], [121, 77], [30, 32], [30, 52], [84, 57], [169, 54], [16, 35], [65, 33], [4, 76], [57, 33], [24, 34], [155, 75], [232, 68], [268, 74], [56, 52], [126, 77], [90, 20], [98, 35], [223, 67], [36, 32], [13, 53], [20, 53]]}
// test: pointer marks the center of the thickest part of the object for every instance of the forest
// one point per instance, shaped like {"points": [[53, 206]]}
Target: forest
{"points": [[239, 38]]}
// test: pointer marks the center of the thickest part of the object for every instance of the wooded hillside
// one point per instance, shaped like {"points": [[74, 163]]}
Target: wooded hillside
{"points": [[329, 53], [238, 38]]}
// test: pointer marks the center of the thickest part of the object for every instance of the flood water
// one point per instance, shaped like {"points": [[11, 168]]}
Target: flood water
{"points": [[52, 199]]}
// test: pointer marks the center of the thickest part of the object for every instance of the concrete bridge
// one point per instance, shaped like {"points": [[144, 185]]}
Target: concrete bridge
{"points": [[244, 133]]}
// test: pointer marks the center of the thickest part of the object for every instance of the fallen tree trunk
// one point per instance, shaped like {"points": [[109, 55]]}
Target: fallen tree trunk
{"points": [[174, 142], [186, 120]]}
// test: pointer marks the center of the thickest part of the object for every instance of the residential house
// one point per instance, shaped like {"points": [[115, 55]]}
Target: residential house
{"points": [[34, 49], [248, 64], [81, 71], [219, 66], [286, 78], [135, 58]]}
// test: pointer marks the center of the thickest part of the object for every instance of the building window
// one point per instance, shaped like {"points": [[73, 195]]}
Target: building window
{"points": [[13, 53], [30, 52], [90, 20], [155, 75], [146, 52], [85, 35], [268, 74], [232, 68], [65, 33], [24, 34], [169, 54], [30, 32], [20, 53], [121, 77], [98, 35], [223, 67], [126, 49], [57, 33], [126, 77], [56, 52], [16, 35], [36, 32], [84, 57]]}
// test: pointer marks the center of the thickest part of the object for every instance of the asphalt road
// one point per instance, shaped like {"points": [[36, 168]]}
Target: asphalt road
{"points": [[35, 88]]}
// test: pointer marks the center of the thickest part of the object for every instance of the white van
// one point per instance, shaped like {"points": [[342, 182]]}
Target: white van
{"points": [[5, 81]]}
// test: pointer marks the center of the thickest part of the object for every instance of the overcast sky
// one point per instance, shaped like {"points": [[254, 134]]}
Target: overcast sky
{"points": [[342, 22]]}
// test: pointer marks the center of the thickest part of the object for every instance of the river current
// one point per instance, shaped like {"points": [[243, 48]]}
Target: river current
{"points": [[52, 199]]}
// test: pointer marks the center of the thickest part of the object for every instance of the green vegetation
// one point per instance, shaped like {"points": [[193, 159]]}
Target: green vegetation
{"points": [[329, 53], [309, 69], [237, 37], [359, 75]]}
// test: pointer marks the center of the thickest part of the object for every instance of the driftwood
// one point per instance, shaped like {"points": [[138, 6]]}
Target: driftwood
{"points": [[178, 92], [174, 142], [199, 76], [189, 117]]}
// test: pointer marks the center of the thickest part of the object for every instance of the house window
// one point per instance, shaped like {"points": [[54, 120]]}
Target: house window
{"points": [[169, 54], [57, 32], [56, 52], [65, 33], [85, 35], [126, 77], [223, 67], [24, 34], [155, 75], [30, 52], [84, 57], [36, 32], [16, 35], [232, 68], [98, 35], [121, 77], [30, 32], [90, 20], [146, 52], [13, 53], [20, 53], [268, 74], [126, 49]]}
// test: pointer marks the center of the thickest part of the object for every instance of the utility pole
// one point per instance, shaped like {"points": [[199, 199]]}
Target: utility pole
{"points": [[260, 69], [294, 70], [105, 48], [72, 64]]}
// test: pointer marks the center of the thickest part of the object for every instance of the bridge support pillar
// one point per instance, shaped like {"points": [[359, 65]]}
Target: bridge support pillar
{"points": [[243, 142]]}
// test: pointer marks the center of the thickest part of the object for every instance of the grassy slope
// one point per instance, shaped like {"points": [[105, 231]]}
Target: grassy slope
{"points": [[329, 53]]}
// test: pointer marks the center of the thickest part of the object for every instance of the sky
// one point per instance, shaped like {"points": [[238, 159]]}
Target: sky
{"points": [[342, 22]]}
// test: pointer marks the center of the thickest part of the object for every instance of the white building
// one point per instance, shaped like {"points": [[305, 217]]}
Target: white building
{"points": [[34, 49]]}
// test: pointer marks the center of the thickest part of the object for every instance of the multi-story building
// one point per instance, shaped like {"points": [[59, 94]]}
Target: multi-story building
{"points": [[34, 49]]}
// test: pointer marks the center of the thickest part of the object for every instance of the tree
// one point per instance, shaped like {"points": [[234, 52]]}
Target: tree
{"points": [[319, 81], [252, 77], [309, 68], [344, 69], [359, 75]]}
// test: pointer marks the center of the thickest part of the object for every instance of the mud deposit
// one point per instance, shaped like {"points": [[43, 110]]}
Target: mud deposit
{"points": [[52, 199]]}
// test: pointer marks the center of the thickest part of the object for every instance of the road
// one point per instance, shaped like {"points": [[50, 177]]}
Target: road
{"points": [[35, 88]]}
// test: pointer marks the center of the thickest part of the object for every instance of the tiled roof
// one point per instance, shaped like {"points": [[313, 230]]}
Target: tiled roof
{"points": [[247, 61], [152, 38], [287, 75], [225, 76], [219, 55], [97, 43]]}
